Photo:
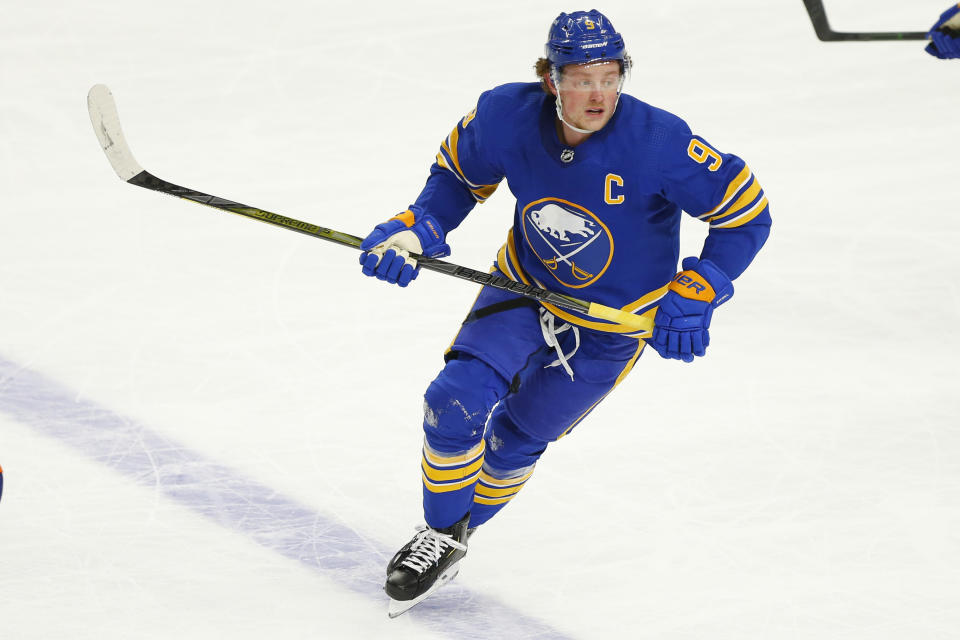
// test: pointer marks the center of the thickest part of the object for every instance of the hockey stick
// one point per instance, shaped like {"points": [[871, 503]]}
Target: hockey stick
{"points": [[106, 124], [818, 16]]}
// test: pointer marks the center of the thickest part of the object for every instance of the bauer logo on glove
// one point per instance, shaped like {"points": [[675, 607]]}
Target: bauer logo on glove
{"points": [[690, 284]]}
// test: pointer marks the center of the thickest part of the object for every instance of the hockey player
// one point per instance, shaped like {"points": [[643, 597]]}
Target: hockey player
{"points": [[600, 180], [945, 35]]}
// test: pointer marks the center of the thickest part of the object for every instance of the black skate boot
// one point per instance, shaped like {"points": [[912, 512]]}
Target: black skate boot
{"points": [[424, 565]]}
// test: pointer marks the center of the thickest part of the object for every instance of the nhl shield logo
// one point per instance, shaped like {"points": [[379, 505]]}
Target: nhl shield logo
{"points": [[570, 241]]}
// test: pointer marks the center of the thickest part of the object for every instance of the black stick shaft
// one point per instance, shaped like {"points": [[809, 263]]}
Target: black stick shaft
{"points": [[147, 180]]}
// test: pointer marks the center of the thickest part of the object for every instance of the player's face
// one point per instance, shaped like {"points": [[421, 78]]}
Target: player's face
{"points": [[589, 93]]}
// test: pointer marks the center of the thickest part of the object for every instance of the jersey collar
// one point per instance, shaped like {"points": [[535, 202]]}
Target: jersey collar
{"points": [[563, 154]]}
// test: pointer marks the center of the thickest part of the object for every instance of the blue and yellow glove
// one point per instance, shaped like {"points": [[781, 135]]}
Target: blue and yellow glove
{"points": [[682, 323], [386, 251], [945, 35]]}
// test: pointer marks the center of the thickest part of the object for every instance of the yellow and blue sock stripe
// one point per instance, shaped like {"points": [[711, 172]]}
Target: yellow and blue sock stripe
{"points": [[494, 490], [446, 472]]}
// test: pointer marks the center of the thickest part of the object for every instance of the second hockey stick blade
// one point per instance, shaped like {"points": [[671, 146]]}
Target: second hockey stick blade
{"points": [[106, 125], [818, 16]]}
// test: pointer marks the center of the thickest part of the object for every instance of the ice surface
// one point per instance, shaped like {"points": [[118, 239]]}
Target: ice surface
{"points": [[211, 428]]}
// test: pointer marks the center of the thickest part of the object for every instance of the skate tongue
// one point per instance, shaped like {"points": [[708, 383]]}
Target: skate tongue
{"points": [[428, 547]]}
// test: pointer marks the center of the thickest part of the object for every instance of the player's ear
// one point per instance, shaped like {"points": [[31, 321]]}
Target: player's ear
{"points": [[552, 87]]}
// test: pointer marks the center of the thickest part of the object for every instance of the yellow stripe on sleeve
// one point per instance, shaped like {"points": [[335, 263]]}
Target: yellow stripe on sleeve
{"points": [[452, 139], [744, 218], [480, 192], [748, 196], [735, 185], [484, 192]]}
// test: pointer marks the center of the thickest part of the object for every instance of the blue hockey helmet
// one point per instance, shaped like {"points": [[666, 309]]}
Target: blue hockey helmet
{"points": [[582, 37]]}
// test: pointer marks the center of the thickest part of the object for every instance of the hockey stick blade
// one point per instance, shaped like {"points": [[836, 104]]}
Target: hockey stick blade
{"points": [[106, 124], [818, 16]]}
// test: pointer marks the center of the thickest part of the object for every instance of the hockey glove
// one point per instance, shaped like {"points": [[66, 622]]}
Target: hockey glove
{"points": [[945, 35], [682, 323], [386, 251]]}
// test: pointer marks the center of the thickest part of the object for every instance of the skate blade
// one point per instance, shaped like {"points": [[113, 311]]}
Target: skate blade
{"points": [[399, 607]]}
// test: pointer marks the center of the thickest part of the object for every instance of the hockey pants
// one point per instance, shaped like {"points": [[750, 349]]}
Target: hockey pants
{"points": [[502, 397]]}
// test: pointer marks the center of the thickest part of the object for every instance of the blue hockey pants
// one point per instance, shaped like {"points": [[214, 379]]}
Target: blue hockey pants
{"points": [[496, 405]]}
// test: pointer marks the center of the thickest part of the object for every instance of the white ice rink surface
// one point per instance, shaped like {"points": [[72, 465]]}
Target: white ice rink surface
{"points": [[210, 428]]}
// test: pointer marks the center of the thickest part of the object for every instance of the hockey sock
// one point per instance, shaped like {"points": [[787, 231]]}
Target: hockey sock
{"points": [[456, 406]]}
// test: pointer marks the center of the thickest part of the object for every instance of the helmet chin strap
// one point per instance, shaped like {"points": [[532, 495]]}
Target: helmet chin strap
{"points": [[555, 76]]}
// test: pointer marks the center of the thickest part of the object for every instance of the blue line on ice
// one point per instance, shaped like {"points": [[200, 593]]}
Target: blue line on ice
{"points": [[233, 501]]}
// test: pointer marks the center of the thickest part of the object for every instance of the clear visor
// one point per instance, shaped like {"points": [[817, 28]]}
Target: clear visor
{"points": [[597, 76]]}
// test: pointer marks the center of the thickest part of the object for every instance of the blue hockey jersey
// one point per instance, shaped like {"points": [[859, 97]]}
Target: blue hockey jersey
{"points": [[599, 221]]}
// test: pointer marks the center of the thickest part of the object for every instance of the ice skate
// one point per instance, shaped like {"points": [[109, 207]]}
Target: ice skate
{"points": [[423, 565]]}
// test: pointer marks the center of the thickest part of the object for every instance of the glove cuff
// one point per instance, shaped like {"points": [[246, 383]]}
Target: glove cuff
{"points": [[704, 281]]}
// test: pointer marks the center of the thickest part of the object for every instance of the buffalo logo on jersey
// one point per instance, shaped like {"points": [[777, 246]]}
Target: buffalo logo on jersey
{"points": [[569, 240]]}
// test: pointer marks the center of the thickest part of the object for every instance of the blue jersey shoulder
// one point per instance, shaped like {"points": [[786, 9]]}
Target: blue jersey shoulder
{"points": [[505, 116], [509, 106], [650, 113], [517, 93], [650, 130]]}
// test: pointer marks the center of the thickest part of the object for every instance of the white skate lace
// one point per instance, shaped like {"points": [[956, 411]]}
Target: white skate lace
{"points": [[550, 331], [427, 548]]}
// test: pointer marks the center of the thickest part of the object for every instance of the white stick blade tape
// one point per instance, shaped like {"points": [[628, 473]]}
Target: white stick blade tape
{"points": [[106, 124]]}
